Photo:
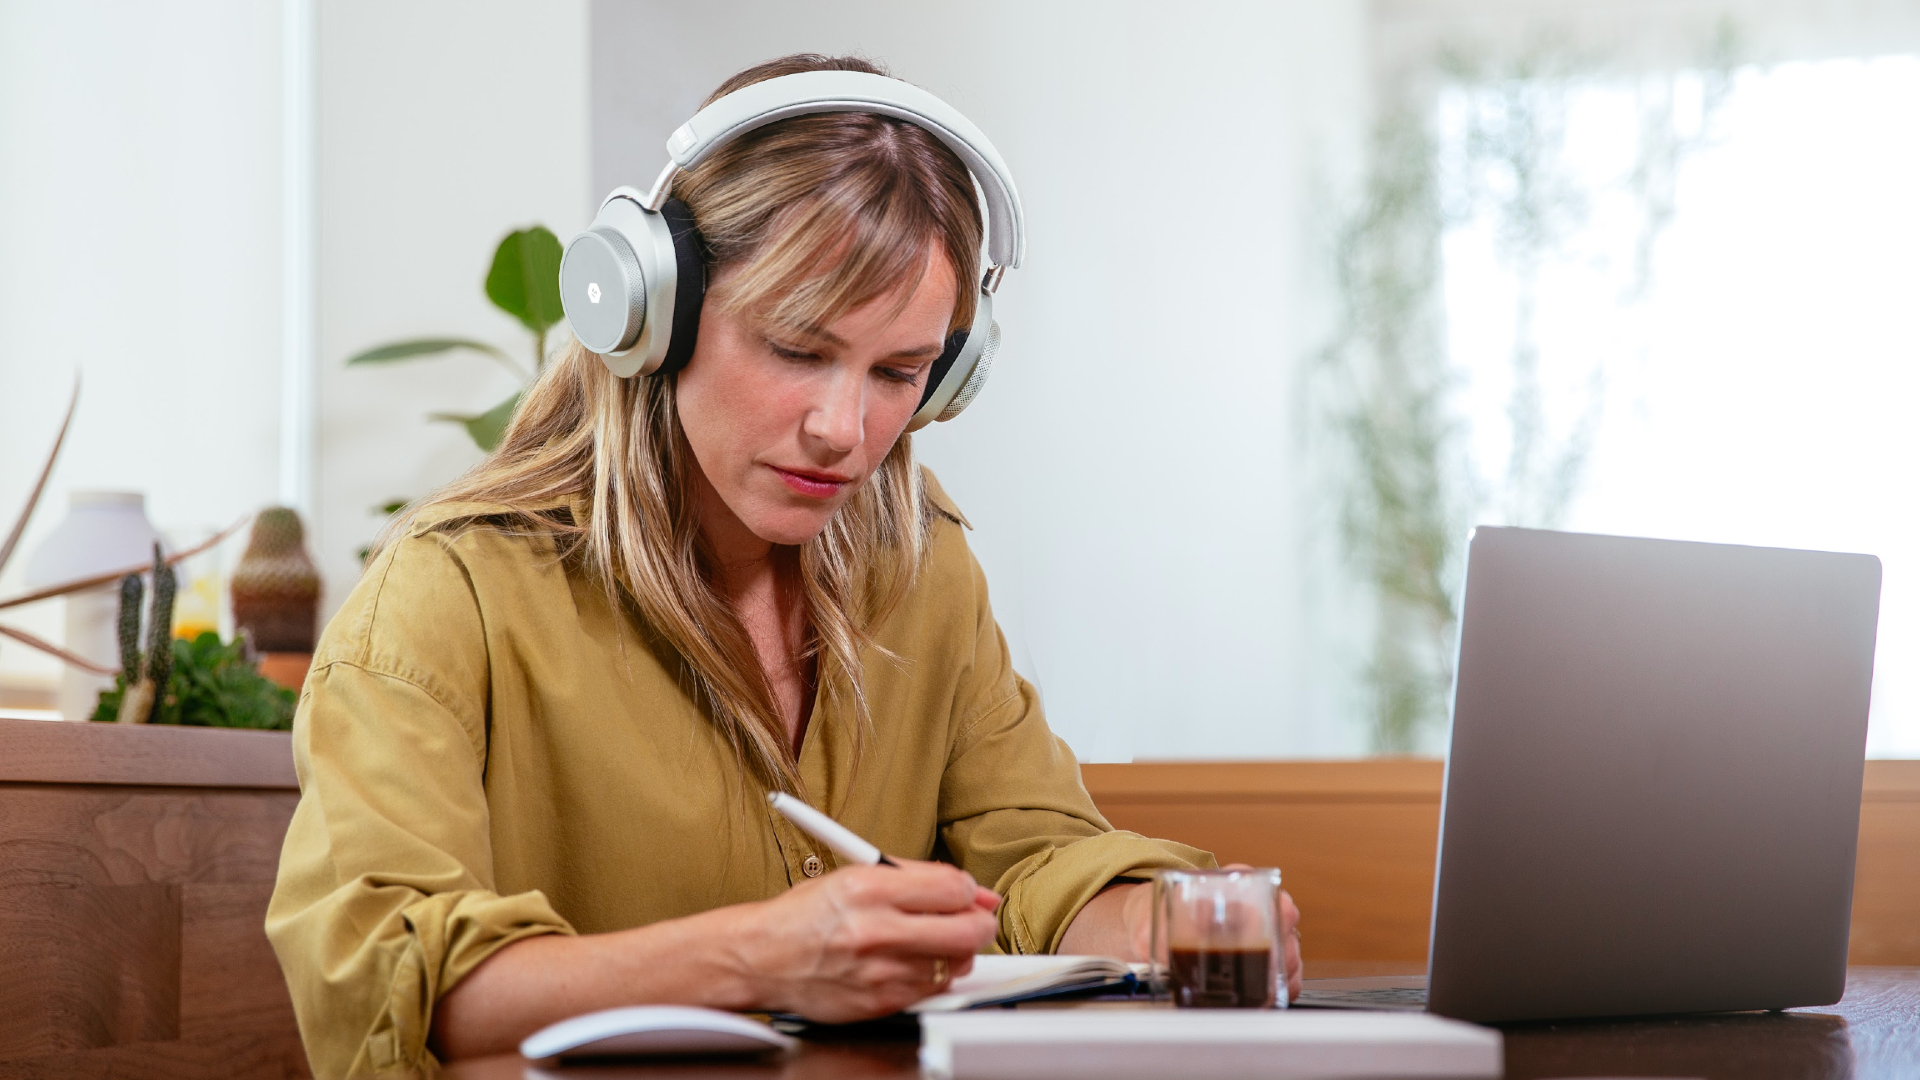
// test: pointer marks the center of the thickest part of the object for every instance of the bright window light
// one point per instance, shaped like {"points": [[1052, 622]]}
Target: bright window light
{"points": [[1761, 384]]}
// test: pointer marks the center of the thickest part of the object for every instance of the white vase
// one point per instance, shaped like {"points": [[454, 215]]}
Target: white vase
{"points": [[103, 531]]}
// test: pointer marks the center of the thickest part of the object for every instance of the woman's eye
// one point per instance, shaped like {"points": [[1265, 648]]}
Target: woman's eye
{"points": [[900, 375], [789, 352]]}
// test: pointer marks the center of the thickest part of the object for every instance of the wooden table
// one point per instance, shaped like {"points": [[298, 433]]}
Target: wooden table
{"points": [[1872, 1034]]}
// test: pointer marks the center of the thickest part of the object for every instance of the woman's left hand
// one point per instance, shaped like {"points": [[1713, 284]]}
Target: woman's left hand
{"points": [[1119, 922]]}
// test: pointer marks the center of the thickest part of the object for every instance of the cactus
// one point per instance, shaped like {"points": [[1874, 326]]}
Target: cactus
{"points": [[130, 597], [160, 628], [137, 703], [146, 690]]}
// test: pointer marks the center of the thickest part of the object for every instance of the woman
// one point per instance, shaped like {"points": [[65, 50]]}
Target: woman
{"points": [[536, 740]]}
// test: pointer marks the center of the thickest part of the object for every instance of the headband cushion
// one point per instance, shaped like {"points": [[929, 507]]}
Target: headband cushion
{"points": [[690, 284]]}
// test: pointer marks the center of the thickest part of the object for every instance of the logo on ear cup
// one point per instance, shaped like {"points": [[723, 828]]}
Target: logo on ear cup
{"points": [[593, 291]]}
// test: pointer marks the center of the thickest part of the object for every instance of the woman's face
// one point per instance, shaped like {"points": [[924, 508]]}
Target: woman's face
{"points": [[787, 425]]}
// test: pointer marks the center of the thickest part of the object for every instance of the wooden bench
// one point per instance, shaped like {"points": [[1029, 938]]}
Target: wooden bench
{"points": [[1355, 844]]}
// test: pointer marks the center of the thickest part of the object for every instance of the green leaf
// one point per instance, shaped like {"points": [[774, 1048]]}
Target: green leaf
{"points": [[408, 350], [525, 279], [485, 429]]}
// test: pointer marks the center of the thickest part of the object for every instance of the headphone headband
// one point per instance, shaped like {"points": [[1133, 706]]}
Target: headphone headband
{"points": [[633, 283], [809, 92]]}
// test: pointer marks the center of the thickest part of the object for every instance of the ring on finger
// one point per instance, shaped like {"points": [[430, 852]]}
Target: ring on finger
{"points": [[939, 971]]}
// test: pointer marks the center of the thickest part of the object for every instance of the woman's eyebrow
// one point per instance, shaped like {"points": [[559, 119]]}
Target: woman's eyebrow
{"points": [[820, 334], [824, 336], [921, 353]]}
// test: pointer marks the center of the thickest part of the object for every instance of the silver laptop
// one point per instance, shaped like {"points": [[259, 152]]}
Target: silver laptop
{"points": [[1653, 793]]}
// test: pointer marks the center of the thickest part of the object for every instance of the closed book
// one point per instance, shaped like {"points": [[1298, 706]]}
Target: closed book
{"points": [[1098, 1043]]}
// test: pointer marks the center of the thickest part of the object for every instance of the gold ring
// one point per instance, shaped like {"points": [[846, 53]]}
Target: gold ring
{"points": [[939, 971]]}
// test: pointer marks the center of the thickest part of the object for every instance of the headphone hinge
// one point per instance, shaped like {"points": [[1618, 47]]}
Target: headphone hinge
{"points": [[662, 187], [990, 281]]}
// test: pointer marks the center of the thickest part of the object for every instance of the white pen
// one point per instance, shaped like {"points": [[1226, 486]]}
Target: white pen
{"points": [[841, 839]]}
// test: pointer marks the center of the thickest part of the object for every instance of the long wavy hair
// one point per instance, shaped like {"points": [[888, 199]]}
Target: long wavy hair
{"points": [[811, 217]]}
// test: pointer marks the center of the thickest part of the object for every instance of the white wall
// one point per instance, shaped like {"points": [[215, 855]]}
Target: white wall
{"points": [[139, 245], [1145, 508], [140, 241], [443, 125], [1141, 502]]}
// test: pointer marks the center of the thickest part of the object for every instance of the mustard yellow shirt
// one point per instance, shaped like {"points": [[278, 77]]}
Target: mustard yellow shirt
{"points": [[488, 750]]}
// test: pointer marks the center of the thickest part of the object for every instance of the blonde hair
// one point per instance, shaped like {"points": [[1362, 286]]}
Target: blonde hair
{"points": [[812, 217]]}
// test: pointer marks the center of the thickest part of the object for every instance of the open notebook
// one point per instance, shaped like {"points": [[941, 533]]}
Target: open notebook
{"points": [[998, 980], [679, 1030]]}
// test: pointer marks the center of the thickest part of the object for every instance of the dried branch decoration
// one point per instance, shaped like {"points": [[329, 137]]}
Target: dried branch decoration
{"points": [[40, 485], [19, 529], [111, 576], [33, 641]]}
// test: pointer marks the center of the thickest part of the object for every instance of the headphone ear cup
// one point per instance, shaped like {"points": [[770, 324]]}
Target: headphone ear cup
{"points": [[977, 373], [633, 283], [690, 285], [603, 285], [957, 376]]}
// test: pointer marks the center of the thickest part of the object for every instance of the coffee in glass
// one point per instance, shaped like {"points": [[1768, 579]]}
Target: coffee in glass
{"points": [[1216, 939]]}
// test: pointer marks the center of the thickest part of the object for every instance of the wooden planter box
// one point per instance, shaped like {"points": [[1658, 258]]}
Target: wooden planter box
{"points": [[135, 866]]}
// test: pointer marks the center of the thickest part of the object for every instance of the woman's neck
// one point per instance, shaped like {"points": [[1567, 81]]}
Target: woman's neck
{"points": [[760, 581]]}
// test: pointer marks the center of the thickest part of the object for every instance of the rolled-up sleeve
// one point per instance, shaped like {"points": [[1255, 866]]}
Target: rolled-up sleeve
{"points": [[1014, 812], [385, 896]]}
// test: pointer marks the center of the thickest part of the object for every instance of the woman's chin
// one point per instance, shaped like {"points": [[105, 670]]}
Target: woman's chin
{"points": [[791, 526]]}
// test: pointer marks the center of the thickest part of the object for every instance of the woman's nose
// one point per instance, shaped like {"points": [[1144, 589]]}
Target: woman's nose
{"points": [[838, 416]]}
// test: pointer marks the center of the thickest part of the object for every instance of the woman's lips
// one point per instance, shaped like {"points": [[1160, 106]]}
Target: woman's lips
{"points": [[812, 484]]}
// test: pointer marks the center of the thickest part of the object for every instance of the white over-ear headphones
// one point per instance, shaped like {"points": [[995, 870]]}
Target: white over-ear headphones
{"points": [[633, 282]]}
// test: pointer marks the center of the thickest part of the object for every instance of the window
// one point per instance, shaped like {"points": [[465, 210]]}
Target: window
{"points": [[1701, 322]]}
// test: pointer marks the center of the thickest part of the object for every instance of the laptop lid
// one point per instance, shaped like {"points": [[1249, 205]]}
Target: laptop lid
{"points": [[1653, 793]]}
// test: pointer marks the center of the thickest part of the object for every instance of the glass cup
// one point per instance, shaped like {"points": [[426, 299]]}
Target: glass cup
{"points": [[1216, 939]]}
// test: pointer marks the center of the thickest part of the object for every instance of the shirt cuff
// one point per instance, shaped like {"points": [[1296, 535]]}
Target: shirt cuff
{"points": [[1048, 893], [449, 934]]}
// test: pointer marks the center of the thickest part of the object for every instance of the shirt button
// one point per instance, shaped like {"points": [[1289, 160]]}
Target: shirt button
{"points": [[812, 866]]}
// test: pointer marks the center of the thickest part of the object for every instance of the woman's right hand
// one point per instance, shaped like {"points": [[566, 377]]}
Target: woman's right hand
{"points": [[863, 941], [858, 943]]}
